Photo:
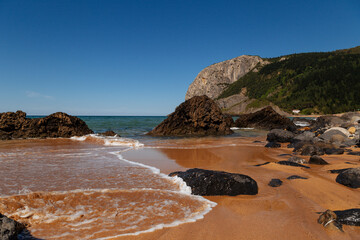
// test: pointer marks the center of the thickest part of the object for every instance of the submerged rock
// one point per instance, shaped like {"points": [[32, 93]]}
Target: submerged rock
{"points": [[198, 116], [349, 178], [275, 182], [16, 125], [209, 183], [296, 159], [9, 228], [266, 119], [108, 134], [292, 177]]}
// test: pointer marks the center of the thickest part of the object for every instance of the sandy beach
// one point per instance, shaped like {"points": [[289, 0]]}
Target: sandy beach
{"points": [[286, 212]]}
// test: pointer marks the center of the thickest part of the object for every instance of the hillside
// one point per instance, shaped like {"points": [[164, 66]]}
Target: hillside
{"points": [[323, 82]]}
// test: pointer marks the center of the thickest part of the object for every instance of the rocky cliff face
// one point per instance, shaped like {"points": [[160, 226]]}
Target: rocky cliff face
{"points": [[214, 79]]}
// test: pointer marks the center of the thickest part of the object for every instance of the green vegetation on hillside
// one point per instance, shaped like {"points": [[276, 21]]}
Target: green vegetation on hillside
{"points": [[326, 82]]}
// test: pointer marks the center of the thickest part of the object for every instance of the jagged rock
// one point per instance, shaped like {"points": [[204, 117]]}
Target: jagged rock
{"points": [[229, 120], [317, 160], [108, 134], [198, 116], [16, 125], [210, 183], [212, 80], [279, 135], [275, 182], [349, 178], [293, 164], [296, 159], [334, 151], [273, 145], [292, 177], [9, 228], [349, 217], [266, 119]]}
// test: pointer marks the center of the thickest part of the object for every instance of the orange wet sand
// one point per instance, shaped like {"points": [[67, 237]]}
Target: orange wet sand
{"points": [[287, 212]]}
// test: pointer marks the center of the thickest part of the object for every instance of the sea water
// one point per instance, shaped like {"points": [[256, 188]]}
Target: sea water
{"points": [[83, 187]]}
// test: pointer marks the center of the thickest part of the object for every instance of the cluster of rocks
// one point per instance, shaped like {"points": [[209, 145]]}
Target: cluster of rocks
{"points": [[17, 125], [9, 228]]}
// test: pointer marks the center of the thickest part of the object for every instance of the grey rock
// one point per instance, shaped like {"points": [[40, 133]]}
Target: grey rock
{"points": [[309, 150], [291, 164], [306, 136], [349, 217], [9, 228], [212, 80], [273, 145]]}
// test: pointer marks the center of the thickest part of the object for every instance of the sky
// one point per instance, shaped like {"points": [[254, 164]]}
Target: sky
{"points": [[138, 57]]}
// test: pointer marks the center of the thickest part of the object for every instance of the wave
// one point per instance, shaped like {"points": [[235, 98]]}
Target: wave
{"points": [[109, 141]]}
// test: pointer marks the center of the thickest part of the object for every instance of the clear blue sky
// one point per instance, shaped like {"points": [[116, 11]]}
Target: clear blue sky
{"points": [[139, 57]]}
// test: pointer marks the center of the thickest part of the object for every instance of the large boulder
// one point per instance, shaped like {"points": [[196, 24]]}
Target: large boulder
{"points": [[9, 228], [198, 116], [349, 217], [306, 136], [349, 178], [210, 183], [280, 135], [16, 125], [266, 119], [335, 134]]}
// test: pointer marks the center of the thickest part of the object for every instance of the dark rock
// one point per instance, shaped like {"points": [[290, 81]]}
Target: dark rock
{"points": [[261, 164], [108, 134], [351, 163], [279, 135], [334, 151], [296, 159], [198, 116], [354, 153], [273, 145], [349, 178], [9, 228], [275, 182], [349, 217], [309, 150], [296, 177], [266, 119], [329, 219], [210, 183], [257, 141], [16, 125], [315, 159], [297, 145], [291, 164], [339, 170]]}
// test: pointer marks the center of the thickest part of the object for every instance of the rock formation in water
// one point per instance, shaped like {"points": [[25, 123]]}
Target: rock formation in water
{"points": [[198, 116], [17, 125], [212, 80], [210, 183]]}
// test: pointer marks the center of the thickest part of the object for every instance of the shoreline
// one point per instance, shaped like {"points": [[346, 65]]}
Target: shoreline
{"points": [[294, 205]]}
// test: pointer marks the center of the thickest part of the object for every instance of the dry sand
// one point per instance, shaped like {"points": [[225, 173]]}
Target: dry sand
{"points": [[286, 212]]}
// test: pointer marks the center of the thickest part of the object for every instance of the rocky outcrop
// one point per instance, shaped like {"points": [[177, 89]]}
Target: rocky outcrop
{"points": [[9, 228], [198, 116], [266, 119], [16, 125], [210, 183], [212, 80], [349, 178]]}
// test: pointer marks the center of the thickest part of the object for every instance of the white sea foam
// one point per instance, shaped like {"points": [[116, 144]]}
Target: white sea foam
{"points": [[110, 141]]}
